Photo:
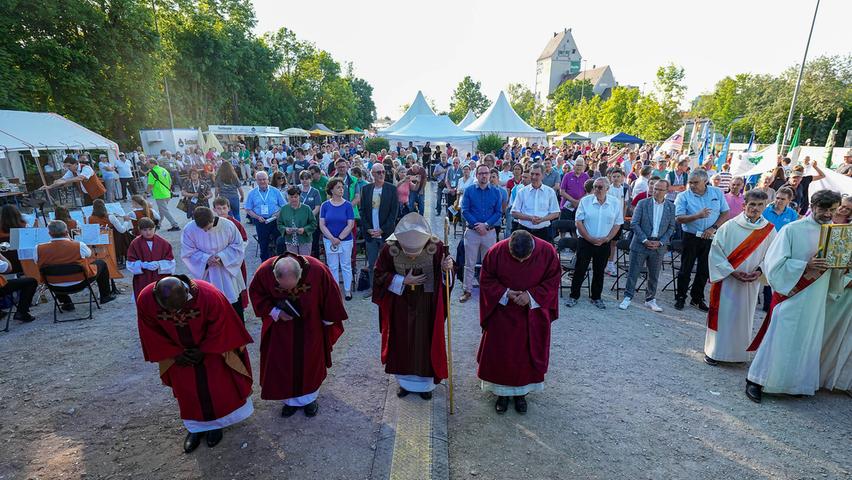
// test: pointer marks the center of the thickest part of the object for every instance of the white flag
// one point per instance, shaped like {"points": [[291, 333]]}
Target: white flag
{"points": [[675, 142], [755, 163], [833, 181]]}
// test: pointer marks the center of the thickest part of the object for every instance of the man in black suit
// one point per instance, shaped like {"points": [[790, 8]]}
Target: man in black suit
{"points": [[379, 206]]}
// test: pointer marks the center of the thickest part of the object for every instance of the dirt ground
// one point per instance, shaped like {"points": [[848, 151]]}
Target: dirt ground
{"points": [[627, 395]]}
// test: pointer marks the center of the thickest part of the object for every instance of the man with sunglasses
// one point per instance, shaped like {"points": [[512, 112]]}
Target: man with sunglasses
{"points": [[379, 209]]}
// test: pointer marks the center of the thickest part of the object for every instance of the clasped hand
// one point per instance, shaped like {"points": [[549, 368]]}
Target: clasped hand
{"points": [[153, 266], [412, 279], [519, 297], [214, 260], [746, 277], [190, 356]]}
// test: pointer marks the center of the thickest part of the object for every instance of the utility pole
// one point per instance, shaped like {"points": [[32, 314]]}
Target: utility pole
{"points": [[798, 84], [165, 76]]}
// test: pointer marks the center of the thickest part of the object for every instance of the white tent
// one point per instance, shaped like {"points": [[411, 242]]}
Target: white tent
{"points": [[468, 119], [501, 118], [42, 132], [47, 131], [433, 128], [418, 107]]}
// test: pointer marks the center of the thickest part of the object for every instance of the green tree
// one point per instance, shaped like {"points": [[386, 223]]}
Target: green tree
{"points": [[618, 112], [467, 96], [365, 108], [572, 91]]}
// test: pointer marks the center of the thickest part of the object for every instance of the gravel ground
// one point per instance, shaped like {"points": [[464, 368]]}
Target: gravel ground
{"points": [[627, 396]]}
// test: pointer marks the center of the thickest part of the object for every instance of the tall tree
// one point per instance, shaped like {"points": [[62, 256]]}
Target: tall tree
{"points": [[467, 96], [365, 108], [572, 91]]}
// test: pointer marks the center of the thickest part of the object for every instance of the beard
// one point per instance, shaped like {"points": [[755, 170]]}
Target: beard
{"points": [[823, 219]]}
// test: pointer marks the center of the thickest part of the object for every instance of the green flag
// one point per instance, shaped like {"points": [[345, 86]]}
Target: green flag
{"points": [[795, 142], [778, 137], [829, 142]]}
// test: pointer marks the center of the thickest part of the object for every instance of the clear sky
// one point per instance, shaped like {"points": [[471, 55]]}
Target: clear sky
{"points": [[402, 46]]}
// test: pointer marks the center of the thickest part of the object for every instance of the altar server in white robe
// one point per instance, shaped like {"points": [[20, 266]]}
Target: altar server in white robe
{"points": [[736, 261], [788, 348], [835, 365], [212, 250]]}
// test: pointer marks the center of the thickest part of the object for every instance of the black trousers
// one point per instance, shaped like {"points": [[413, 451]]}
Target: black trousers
{"points": [[597, 255], [238, 307], [127, 186], [26, 287], [695, 249], [545, 233], [102, 279]]}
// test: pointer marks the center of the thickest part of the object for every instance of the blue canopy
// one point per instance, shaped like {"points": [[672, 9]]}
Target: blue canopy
{"points": [[620, 137]]}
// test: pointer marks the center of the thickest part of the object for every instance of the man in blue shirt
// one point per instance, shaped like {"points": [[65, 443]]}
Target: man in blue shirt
{"points": [[262, 205], [700, 210], [779, 214], [482, 211]]}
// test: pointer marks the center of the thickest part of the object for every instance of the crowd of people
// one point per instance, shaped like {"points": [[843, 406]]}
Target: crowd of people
{"points": [[315, 207]]}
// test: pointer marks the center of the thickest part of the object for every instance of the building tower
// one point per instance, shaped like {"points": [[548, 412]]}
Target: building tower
{"points": [[560, 59]]}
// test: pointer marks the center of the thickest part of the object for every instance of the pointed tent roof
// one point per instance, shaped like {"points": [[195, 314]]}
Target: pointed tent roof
{"points": [[431, 127], [501, 118], [320, 126], [468, 119], [418, 107], [21, 130]]}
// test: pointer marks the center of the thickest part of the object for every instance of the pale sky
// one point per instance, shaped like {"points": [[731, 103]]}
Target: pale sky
{"points": [[401, 46]]}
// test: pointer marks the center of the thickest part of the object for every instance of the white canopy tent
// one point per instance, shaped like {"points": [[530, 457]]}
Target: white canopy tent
{"points": [[418, 107], [38, 132], [435, 128], [468, 119], [501, 119]]}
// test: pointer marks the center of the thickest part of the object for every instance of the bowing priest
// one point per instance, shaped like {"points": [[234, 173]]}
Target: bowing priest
{"points": [[149, 257], [302, 311], [408, 287], [213, 250], [789, 342], [519, 290], [736, 259], [188, 327]]}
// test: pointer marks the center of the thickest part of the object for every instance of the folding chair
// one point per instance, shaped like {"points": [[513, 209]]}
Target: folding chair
{"points": [[569, 244], [622, 264], [676, 251], [49, 271], [12, 303]]}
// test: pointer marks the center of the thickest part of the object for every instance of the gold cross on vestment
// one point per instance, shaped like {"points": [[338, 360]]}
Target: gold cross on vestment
{"points": [[294, 292], [179, 318]]}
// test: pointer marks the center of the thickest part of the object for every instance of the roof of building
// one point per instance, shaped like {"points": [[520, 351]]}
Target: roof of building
{"points": [[593, 76], [552, 45]]}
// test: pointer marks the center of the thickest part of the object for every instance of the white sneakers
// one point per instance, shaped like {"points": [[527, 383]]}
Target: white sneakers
{"points": [[610, 269], [652, 304]]}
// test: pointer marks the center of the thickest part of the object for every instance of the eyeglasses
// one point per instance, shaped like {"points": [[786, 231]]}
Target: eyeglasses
{"points": [[599, 187], [379, 172]]}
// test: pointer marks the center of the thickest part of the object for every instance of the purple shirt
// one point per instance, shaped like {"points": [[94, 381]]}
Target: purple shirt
{"points": [[573, 185]]}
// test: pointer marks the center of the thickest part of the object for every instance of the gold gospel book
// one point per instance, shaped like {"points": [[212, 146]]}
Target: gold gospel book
{"points": [[835, 244]]}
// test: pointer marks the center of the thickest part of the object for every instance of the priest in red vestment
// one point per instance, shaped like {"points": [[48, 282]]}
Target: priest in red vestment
{"points": [[222, 207], [518, 299], [302, 312], [408, 287], [149, 257], [191, 330]]}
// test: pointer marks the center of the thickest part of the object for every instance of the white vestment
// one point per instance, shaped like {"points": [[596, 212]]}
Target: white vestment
{"points": [[224, 241], [787, 360], [738, 300], [835, 365]]}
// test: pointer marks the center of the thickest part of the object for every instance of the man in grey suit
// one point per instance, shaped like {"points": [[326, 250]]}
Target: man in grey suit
{"points": [[653, 224], [379, 208]]}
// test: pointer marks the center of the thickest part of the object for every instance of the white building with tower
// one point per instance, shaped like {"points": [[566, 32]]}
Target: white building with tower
{"points": [[560, 61]]}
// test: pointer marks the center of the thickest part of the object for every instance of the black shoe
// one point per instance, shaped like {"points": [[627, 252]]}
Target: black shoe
{"points": [[311, 409], [24, 317], [348, 297], [502, 404], [288, 411], [107, 299], [192, 441], [401, 392], [174, 228], [679, 304], [699, 304], [710, 361], [521, 404], [67, 307], [214, 437], [426, 395], [754, 391]]}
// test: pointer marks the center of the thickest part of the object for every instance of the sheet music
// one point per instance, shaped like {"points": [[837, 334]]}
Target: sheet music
{"points": [[90, 234], [30, 218], [25, 241]]}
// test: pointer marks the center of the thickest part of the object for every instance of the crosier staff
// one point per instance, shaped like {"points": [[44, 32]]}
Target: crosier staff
{"points": [[447, 280]]}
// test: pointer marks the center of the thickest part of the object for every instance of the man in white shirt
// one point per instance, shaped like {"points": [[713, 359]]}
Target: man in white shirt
{"points": [[641, 183], [535, 206], [599, 218], [124, 167]]}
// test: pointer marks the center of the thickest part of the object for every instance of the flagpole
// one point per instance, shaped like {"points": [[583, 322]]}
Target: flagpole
{"points": [[798, 82]]}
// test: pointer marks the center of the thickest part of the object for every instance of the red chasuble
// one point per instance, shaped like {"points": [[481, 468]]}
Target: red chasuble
{"points": [[222, 382], [515, 346], [138, 250], [412, 324], [295, 355], [244, 235]]}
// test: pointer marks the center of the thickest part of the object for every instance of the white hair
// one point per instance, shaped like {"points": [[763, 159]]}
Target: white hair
{"points": [[261, 174]]}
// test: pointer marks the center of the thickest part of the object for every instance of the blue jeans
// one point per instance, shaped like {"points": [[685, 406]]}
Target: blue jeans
{"points": [[416, 197], [266, 232], [235, 206]]}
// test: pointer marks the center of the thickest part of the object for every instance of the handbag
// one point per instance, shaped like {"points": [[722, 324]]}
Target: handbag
{"points": [[183, 204], [363, 280]]}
